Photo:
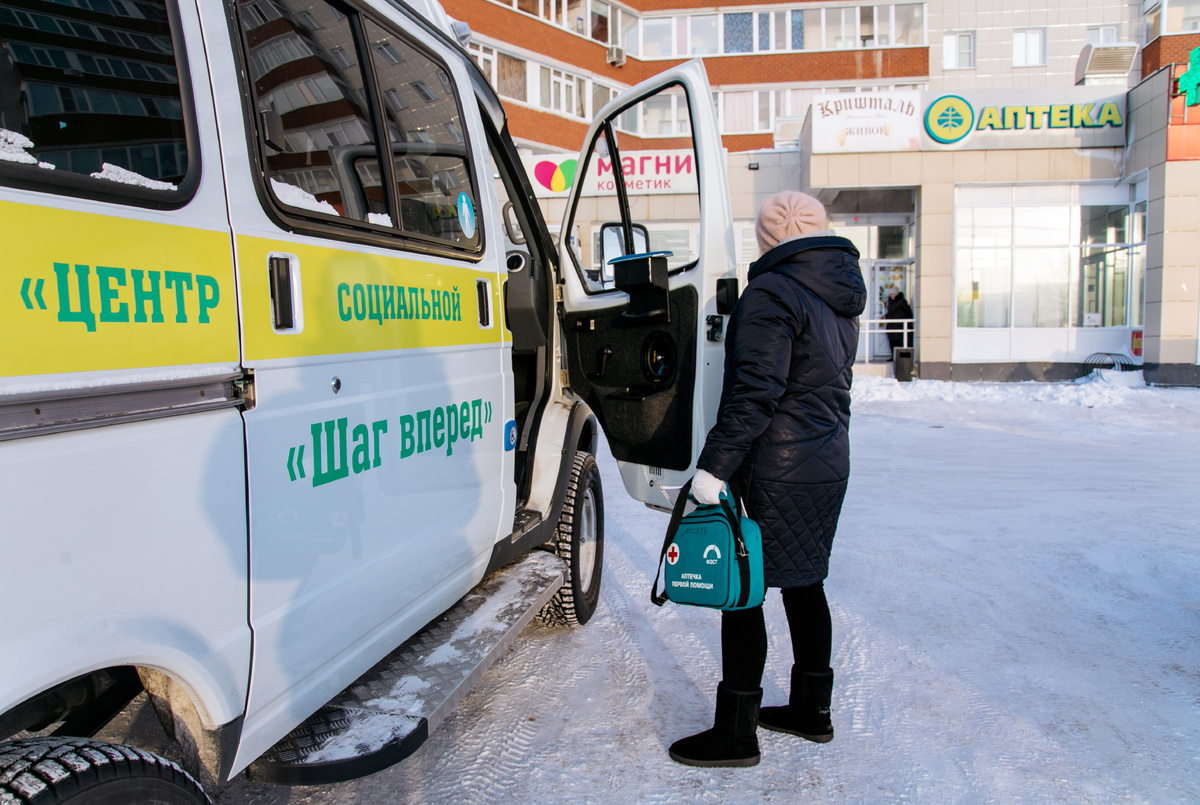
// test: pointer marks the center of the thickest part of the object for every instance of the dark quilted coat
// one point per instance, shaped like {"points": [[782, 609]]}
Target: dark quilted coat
{"points": [[782, 432]]}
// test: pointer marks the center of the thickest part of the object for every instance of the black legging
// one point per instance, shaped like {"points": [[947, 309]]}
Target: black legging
{"points": [[744, 637]]}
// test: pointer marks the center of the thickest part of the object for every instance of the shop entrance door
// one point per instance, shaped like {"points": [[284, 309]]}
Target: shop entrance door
{"points": [[881, 276]]}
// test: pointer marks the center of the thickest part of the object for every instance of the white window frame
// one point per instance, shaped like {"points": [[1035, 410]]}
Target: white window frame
{"points": [[957, 37], [1021, 47], [1100, 34]]}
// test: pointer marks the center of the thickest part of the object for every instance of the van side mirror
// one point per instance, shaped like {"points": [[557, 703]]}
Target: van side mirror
{"points": [[272, 130], [612, 243]]}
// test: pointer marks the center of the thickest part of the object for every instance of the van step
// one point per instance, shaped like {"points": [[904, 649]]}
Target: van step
{"points": [[388, 712]]}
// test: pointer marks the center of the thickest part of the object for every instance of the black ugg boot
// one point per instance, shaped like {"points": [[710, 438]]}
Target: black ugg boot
{"points": [[807, 712], [733, 740]]}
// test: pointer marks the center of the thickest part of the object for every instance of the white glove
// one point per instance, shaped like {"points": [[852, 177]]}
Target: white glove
{"points": [[707, 488]]}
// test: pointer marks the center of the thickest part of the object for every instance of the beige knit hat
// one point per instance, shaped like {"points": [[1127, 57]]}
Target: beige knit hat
{"points": [[786, 215]]}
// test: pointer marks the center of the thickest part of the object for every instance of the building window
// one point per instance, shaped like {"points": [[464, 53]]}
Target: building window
{"points": [[1152, 23], [563, 92], [422, 89], [310, 22], [512, 77], [958, 50], [739, 36], [703, 35], [656, 37], [390, 53], [909, 24], [841, 28], [340, 57], [1183, 16], [600, 96], [1029, 47], [629, 32], [1103, 34], [599, 26], [394, 100]]}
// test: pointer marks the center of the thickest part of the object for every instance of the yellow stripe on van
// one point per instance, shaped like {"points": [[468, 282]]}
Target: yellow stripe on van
{"points": [[82, 292], [352, 301]]}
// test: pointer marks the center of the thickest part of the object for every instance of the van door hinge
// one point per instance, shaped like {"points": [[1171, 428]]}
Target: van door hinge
{"points": [[558, 296], [564, 378]]}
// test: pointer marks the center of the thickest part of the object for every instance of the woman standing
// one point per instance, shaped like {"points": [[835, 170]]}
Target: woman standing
{"points": [[782, 440]]}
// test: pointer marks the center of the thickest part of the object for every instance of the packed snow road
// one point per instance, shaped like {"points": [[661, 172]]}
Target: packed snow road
{"points": [[1016, 603]]}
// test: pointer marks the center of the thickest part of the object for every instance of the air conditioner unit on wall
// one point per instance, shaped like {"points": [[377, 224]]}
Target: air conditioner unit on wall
{"points": [[1105, 64], [616, 55]]}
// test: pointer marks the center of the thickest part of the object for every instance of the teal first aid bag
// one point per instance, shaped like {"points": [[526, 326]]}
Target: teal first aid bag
{"points": [[711, 557]]}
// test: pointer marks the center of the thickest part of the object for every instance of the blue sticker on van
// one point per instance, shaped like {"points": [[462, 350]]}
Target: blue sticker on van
{"points": [[466, 215], [510, 436]]}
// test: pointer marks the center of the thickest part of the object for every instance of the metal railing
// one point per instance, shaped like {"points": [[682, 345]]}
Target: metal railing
{"points": [[880, 328]]}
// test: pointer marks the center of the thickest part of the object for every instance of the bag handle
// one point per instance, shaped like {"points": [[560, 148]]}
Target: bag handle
{"points": [[735, 523], [740, 552], [657, 598]]}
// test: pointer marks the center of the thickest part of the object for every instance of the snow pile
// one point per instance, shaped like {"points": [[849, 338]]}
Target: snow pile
{"points": [[115, 173], [294, 196], [1014, 593], [1101, 388], [13, 146], [380, 218]]}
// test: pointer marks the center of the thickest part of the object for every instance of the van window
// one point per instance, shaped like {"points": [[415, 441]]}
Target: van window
{"points": [[426, 135], [310, 77], [308, 62], [93, 91]]}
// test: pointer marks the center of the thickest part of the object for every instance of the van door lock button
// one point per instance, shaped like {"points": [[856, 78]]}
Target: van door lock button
{"points": [[336, 385]]}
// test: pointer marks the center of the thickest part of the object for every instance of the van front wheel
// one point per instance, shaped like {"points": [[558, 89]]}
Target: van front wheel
{"points": [[579, 540], [79, 771]]}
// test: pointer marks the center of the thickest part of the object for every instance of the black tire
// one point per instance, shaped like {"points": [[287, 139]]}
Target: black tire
{"points": [[579, 539], [79, 771]]}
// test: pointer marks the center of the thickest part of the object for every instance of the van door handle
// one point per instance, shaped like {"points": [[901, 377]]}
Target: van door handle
{"points": [[280, 270], [483, 296]]}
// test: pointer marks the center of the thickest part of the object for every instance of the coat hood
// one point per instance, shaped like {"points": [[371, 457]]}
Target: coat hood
{"points": [[825, 264]]}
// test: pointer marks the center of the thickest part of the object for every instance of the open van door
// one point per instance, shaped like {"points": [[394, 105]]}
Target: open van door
{"points": [[647, 291]]}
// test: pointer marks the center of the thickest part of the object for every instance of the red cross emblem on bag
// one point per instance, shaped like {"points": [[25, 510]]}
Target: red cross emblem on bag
{"points": [[673, 553]]}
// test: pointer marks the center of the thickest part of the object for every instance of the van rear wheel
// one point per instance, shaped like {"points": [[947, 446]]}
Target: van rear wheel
{"points": [[579, 540], [79, 771]]}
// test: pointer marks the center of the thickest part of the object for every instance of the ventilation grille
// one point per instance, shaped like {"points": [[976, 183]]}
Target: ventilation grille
{"points": [[1105, 61]]}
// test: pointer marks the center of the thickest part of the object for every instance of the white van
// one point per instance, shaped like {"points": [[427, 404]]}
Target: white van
{"points": [[293, 378]]}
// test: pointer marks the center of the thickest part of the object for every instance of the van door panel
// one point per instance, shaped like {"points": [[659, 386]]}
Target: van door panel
{"points": [[653, 380], [375, 445]]}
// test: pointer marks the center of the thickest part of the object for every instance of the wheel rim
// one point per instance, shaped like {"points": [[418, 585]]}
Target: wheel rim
{"points": [[587, 540]]}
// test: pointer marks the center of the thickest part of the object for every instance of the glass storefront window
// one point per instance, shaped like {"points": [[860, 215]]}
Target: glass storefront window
{"points": [[984, 287], [1137, 285], [985, 226], [1042, 226], [1035, 257], [1041, 283], [1103, 266]]}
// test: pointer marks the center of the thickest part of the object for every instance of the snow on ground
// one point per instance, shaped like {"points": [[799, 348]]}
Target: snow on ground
{"points": [[1016, 603]]}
